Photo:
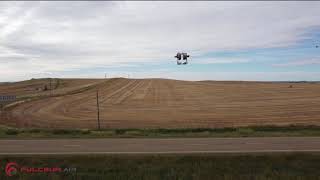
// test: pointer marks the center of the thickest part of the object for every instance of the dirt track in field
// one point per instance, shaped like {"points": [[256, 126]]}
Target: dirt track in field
{"points": [[36, 86], [159, 103]]}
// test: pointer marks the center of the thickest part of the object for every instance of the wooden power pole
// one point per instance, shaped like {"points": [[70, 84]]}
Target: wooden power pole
{"points": [[50, 86], [98, 110]]}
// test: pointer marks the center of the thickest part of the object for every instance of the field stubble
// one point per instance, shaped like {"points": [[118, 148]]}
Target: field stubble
{"points": [[161, 103]]}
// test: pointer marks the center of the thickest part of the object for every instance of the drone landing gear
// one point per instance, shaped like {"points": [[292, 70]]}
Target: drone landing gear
{"points": [[182, 63]]}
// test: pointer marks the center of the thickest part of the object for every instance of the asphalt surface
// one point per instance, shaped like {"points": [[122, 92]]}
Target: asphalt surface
{"points": [[155, 145]]}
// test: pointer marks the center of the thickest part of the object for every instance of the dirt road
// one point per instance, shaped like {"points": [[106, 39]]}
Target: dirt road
{"points": [[160, 103], [168, 145]]}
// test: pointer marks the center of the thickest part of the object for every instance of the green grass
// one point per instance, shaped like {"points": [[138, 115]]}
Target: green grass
{"points": [[173, 167], [264, 131]]}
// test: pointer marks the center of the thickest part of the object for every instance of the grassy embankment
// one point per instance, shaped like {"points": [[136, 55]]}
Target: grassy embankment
{"points": [[266, 131], [172, 167]]}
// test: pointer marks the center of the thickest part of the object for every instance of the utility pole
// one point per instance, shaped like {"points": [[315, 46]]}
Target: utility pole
{"points": [[50, 86], [98, 110]]}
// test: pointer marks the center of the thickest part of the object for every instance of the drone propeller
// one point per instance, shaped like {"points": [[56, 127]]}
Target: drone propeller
{"points": [[178, 56]]}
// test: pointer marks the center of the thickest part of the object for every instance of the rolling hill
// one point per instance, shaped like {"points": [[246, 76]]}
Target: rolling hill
{"points": [[161, 103]]}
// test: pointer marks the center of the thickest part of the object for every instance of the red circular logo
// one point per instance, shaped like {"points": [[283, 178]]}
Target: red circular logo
{"points": [[11, 168]]}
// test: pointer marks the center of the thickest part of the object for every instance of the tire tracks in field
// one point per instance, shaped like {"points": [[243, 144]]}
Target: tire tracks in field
{"points": [[158, 103], [79, 107], [76, 106], [126, 92], [56, 107], [142, 90], [111, 93]]}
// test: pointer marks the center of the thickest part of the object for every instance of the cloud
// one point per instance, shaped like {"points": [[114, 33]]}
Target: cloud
{"points": [[233, 76], [43, 37], [220, 60], [303, 62]]}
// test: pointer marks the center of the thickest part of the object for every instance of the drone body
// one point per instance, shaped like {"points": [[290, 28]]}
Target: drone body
{"points": [[182, 58]]}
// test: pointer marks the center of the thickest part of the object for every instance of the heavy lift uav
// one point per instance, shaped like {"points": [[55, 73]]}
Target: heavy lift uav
{"points": [[183, 56]]}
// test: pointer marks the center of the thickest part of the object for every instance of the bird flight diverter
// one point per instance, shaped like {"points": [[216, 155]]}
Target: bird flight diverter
{"points": [[183, 56]]}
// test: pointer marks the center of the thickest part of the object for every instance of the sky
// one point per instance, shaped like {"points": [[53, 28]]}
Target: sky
{"points": [[254, 41]]}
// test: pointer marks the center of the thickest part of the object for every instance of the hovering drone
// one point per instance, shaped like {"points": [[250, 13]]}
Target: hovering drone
{"points": [[184, 57]]}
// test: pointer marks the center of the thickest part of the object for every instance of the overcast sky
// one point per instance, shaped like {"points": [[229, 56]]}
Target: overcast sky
{"points": [[226, 40]]}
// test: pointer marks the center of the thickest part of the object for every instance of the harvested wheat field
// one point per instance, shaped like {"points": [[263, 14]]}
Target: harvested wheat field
{"points": [[162, 103], [35, 87]]}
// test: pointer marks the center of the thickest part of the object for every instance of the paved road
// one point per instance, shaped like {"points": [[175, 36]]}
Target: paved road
{"points": [[168, 145]]}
